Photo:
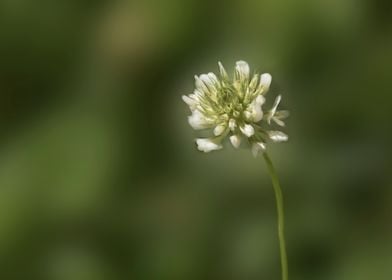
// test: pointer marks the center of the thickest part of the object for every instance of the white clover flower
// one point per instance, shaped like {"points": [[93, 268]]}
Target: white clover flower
{"points": [[233, 108]]}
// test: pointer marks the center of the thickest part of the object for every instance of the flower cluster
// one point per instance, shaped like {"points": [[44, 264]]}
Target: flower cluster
{"points": [[233, 107]]}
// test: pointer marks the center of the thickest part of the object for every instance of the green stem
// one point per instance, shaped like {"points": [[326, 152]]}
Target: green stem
{"points": [[279, 206]]}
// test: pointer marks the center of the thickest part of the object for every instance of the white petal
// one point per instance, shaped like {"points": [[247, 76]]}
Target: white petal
{"points": [[265, 81], [276, 103], [207, 80], [191, 102], [198, 121], [278, 121], [222, 71], [219, 129], [260, 99], [242, 68], [253, 82], [254, 113], [232, 124], [277, 136], [257, 113], [200, 85], [256, 147], [279, 116], [213, 78], [198, 82], [272, 112], [282, 114], [247, 130], [198, 93], [207, 145], [235, 140]]}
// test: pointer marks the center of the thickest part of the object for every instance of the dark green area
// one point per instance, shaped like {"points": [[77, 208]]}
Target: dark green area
{"points": [[99, 175]]}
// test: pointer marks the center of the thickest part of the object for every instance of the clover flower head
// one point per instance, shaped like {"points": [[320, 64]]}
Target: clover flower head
{"points": [[232, 108]]}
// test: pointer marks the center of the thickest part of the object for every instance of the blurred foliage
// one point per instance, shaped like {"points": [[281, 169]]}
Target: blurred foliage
{"points": [[99, 176]]}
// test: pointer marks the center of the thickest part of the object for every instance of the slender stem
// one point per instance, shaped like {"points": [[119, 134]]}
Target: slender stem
{"points": [[279, 206]]}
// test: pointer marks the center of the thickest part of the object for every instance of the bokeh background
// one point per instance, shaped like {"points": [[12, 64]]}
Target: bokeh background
{"points": [[99, 175]]}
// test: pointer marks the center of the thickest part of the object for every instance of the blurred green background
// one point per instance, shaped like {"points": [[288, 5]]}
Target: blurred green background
{"points": [[99, 175]]}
